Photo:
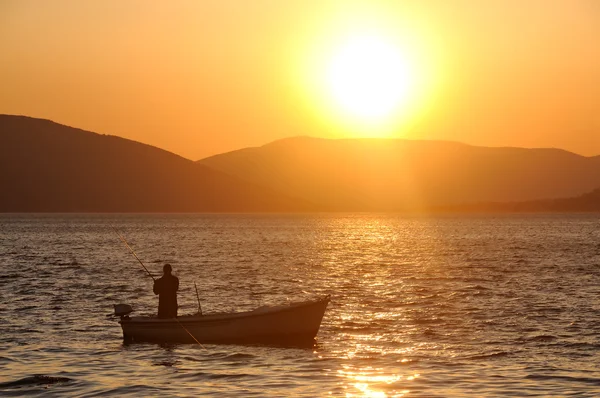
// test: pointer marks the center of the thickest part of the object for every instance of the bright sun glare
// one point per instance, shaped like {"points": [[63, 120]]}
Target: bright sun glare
{"points": [[369, 78]]}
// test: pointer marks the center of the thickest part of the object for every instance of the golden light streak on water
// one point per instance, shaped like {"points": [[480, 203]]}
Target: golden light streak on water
{"points": [[373, 382]]}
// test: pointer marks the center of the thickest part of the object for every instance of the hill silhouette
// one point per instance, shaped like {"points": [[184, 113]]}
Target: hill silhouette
{"points": [[48, 167], [588, 202], [409, 175]]}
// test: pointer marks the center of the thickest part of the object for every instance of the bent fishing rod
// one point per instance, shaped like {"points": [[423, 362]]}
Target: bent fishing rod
{"points": [[154, 279]]}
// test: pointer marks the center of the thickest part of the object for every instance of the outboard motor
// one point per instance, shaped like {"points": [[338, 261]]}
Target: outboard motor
{"points": [[122, 310]]}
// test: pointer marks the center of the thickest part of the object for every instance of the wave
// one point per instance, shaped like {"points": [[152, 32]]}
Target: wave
{"points": [[35, 380], [541, 337], [219, 356], [587, 380], [500, 354], [476, 287], [582, 345], [26, 308], [219, 376], [166, 363], [240, 355]]}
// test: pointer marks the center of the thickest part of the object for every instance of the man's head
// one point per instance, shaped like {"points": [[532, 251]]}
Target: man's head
{"points": [[167, 269]]}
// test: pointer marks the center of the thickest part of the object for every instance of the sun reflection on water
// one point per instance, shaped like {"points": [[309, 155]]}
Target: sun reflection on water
{"points": [[380, 270], [374, 382]]}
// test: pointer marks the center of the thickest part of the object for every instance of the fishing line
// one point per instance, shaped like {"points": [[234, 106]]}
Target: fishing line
{"points": [[191, 335]]}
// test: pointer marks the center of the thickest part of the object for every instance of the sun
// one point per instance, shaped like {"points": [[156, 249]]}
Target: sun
{"points": [[367, 76], [369, 79]]}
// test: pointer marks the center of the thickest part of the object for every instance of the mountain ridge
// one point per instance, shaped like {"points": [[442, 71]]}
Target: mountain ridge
{"points": [[306, 138], [406, 175], [45, 166], [588, 202]]}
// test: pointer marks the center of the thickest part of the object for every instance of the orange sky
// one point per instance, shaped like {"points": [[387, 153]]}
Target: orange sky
{"points": [[203, 77]]}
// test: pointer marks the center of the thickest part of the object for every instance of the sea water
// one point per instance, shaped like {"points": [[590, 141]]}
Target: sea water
{"points": [[421, 306]]}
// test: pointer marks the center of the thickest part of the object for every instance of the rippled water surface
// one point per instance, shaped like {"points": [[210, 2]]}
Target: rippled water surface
{"points": [[421, 307]]}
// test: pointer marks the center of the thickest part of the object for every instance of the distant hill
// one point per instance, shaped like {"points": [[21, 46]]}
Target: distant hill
{"points": [[48, 167], [399, 175], [588, 202]]}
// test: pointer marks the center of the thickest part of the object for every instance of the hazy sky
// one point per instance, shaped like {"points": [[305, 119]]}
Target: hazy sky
{"points": [[204, 77]]}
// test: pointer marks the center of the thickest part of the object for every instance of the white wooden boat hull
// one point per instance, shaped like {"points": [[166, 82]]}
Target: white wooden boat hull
{"points": [[295, 324]]}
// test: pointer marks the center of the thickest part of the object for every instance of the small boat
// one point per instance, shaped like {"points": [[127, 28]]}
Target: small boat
{"points": [[293, 324]]}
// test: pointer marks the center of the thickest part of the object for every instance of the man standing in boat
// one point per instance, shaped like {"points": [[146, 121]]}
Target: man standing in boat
{"points": [[166, 287]]}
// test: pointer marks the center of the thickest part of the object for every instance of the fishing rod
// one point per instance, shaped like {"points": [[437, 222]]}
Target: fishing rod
{"points": [[133, 252], [154, 279], [198, 297]]}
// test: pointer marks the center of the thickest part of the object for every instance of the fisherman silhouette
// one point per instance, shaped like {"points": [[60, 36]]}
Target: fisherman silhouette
{"points": [[166, 287]]}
